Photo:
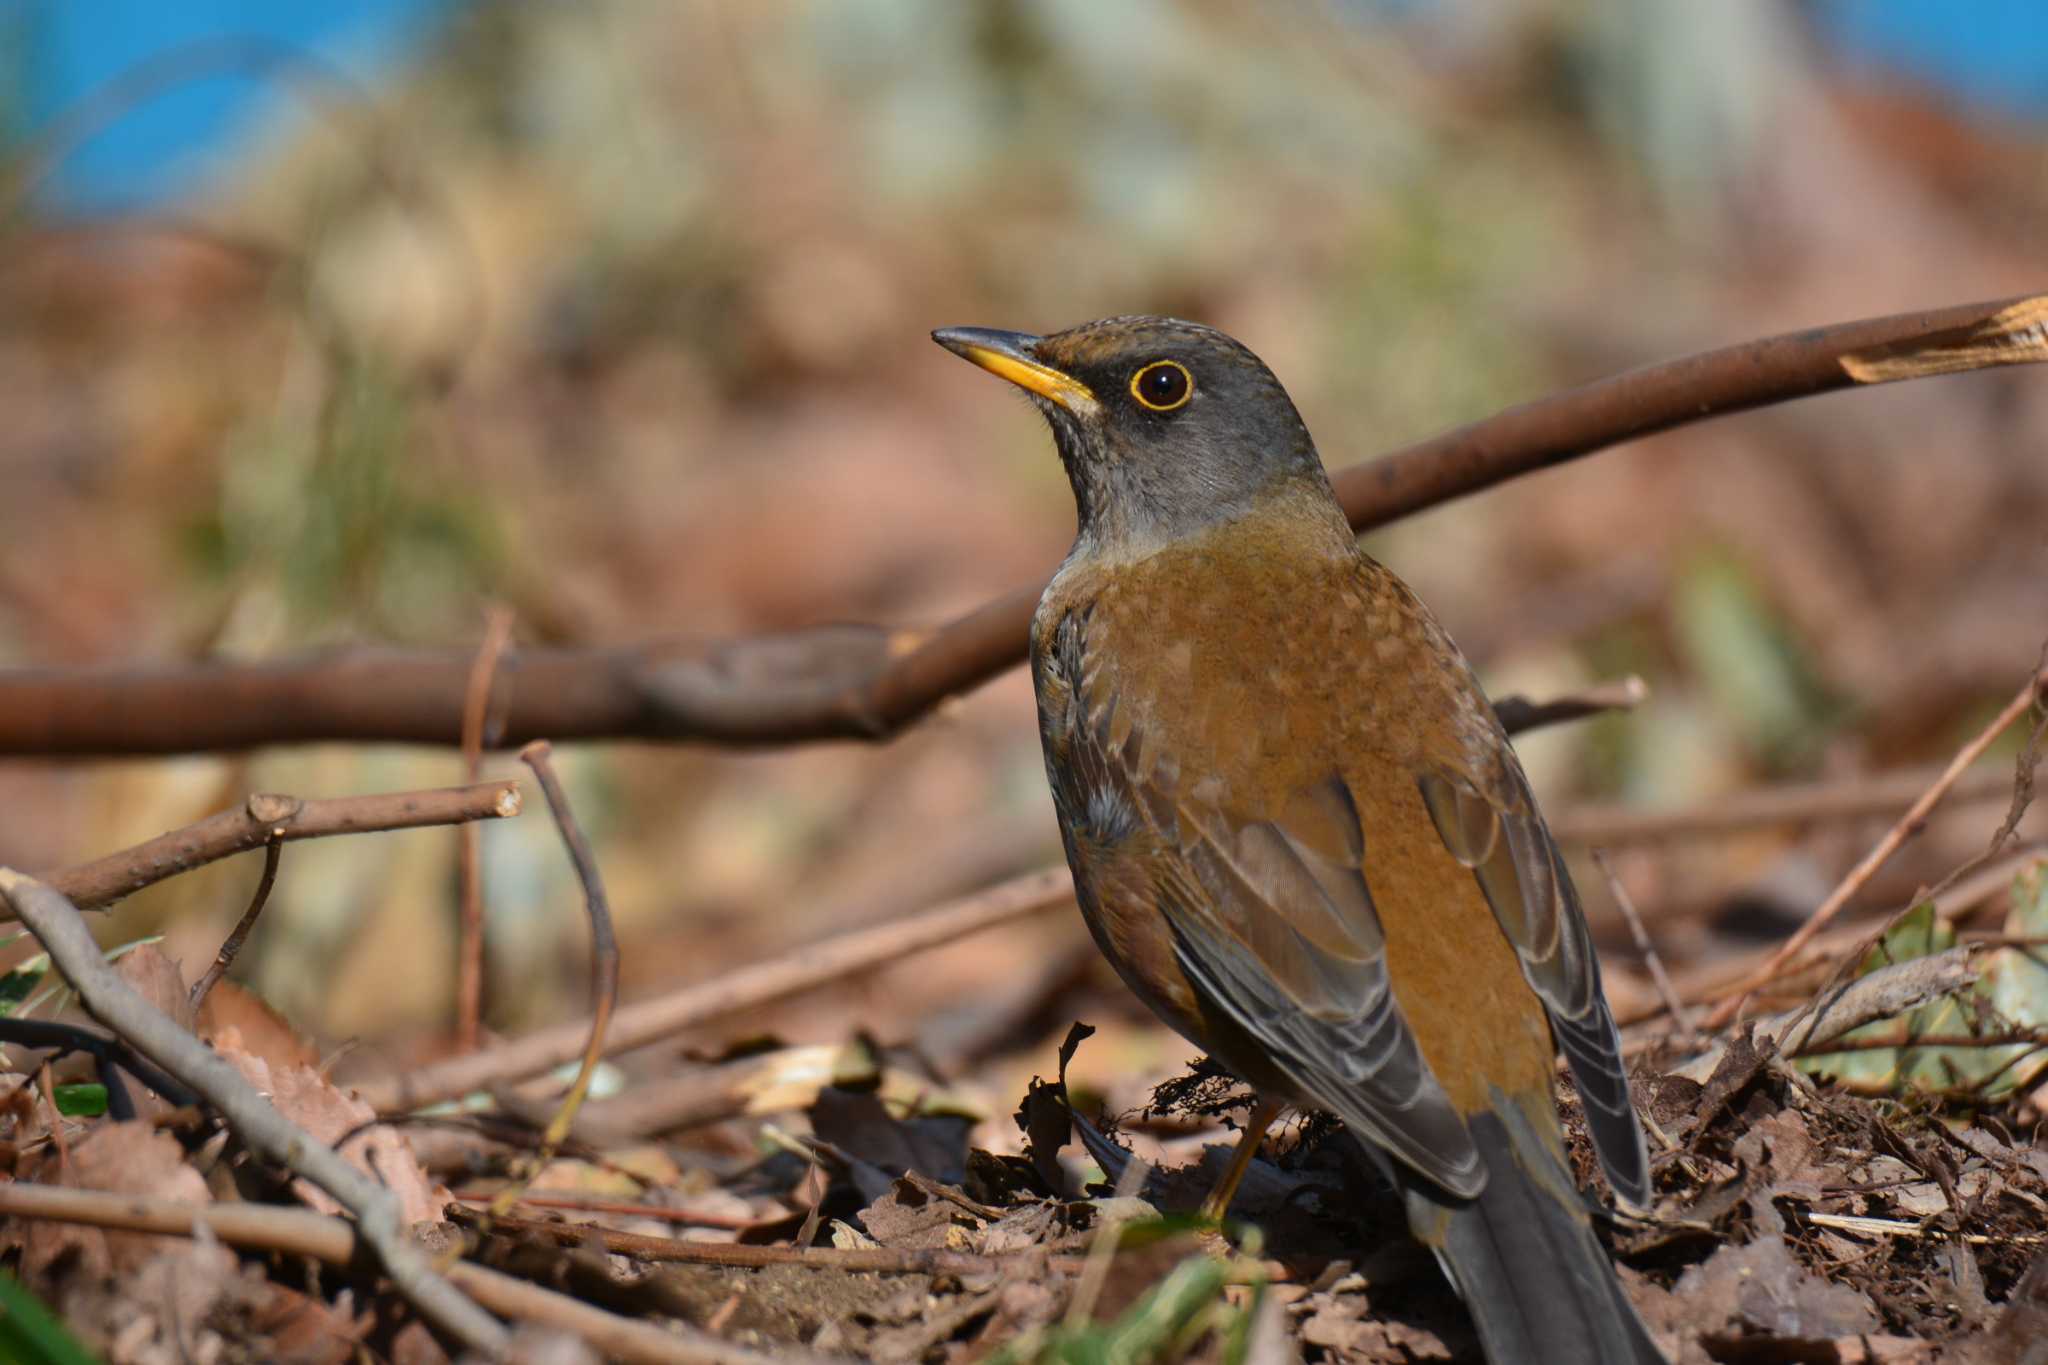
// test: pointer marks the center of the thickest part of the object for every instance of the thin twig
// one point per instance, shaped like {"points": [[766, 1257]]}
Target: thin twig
{"points": [[232, 944], [62, 931], [302, 1232], [1791, 804], [867, 1260], [604, 968], [804, 968], [869, 682], [469, 992], [110, 1054], [48, 1086], [684, 1251], [1892, 1227], [2024, 764], [265, 818], [1676, 1007], [1623, 694], [1846, 945], [659, 1213], [1883, 994], [2033, 1038], [1906, 827]]}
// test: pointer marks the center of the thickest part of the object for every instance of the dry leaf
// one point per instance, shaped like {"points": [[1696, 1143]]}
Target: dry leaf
{"points": [[308, 1099]]}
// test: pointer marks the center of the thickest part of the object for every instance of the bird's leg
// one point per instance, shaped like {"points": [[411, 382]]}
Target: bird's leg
{"points": [[1264, 1111]]}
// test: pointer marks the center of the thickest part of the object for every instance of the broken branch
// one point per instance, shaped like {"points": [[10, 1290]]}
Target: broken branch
{"points": [[266, 818]]}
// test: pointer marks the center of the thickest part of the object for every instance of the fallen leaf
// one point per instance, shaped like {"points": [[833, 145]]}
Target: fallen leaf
{"points": [[311, 1101]]}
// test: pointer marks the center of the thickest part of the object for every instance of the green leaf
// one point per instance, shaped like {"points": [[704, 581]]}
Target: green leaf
{"points": [[30, 1334], [2014, 982], [83, 1101], [2010, 995], [21, 983], [1919, 933]]}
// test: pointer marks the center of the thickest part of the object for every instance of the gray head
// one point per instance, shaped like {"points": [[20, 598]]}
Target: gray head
{"points": [[1165, 427]]}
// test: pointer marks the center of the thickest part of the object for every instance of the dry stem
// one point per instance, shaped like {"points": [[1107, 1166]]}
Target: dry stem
{"points": [[265, 817], [61, 929], [1905, 828], [302, 1232]]}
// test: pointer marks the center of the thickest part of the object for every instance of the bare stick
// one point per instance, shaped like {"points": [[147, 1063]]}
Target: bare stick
{"points": [[870, 1260], [1907, 826], [1883, 994], [804, 968], [1676, 1007], [1789, 803], [659, 1213], [604, 968], [1623, 694], [265, 818], [682, 1251], [232, 944], [1846, 945], [867, 682], [302, 1232], [469, 993], [61, 929]]}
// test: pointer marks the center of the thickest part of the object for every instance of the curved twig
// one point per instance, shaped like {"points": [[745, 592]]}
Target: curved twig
{"points": [[604, 970]]}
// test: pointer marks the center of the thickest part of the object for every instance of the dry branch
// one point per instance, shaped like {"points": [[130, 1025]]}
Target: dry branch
{"points": [[1906, 827], [807, 967], [61, 929], [302, 1232], [231, 946], [1883, 994], [1863, 797], [867, 682], [268, 818], [604, 966], [469, 957], [858, 1260]]}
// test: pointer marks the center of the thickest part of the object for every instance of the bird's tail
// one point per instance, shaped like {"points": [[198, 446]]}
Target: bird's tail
{"points": [[1523, 1255]]}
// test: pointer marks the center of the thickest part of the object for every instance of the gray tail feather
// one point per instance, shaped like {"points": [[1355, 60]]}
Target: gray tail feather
{"points": [[1537, 1282]]}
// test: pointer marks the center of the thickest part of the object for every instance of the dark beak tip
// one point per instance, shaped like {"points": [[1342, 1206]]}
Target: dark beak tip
{"points": [[960, 340]]}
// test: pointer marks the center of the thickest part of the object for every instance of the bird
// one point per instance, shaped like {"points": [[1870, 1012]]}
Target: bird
{"points": [[1298, 831]]}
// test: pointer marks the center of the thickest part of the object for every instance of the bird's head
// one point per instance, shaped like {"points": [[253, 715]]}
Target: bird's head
{"points": [[1165, 427]]}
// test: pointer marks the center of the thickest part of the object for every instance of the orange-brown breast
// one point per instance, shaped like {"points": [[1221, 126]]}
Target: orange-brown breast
{"points": [[1260, 659]]}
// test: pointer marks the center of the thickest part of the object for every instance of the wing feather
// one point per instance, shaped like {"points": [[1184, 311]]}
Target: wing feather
{"points": [[1503, 839]]}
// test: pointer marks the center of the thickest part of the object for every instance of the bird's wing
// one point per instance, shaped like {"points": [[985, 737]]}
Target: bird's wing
{"points": [[1272, 922], [1279, 931], [1492, 826]]}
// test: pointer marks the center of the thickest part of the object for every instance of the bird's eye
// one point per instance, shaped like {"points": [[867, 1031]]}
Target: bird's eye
{"points": [[1163, 385]]}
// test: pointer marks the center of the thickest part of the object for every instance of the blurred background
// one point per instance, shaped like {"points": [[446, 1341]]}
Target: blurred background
{"points": [[323, 324]]}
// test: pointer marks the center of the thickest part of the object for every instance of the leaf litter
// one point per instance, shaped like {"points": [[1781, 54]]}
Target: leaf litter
{"points": [[1795, 1219]]}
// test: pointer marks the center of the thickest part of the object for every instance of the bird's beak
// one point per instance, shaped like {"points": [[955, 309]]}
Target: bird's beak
{"points": [[1012, 356]]}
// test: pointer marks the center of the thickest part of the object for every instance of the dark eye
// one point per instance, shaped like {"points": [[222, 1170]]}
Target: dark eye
{"points": [[1163, 385]]}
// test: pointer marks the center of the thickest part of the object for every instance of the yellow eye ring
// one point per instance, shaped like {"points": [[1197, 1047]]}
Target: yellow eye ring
{"points": [[1163, 386]]}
